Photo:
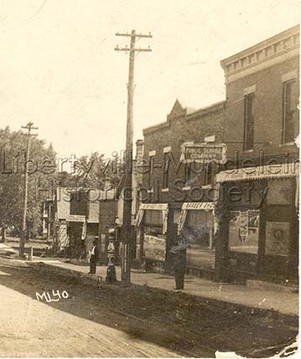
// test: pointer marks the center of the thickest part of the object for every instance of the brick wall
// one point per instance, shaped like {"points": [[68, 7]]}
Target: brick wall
{"points": [[180, 127], [268, 108]]}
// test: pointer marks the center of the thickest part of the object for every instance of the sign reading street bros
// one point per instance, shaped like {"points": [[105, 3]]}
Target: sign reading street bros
{"points": [[204, 153]]}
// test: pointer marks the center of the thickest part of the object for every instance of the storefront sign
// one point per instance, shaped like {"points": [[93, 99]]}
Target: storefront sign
{"points": [[154, 248], [154, 206], [198, 205], [260, 172], [203, 153], [277, 238], [76, 218]]}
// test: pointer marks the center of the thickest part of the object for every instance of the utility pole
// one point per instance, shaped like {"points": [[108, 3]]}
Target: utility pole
{"points": [[29, 127], [126, 230]]}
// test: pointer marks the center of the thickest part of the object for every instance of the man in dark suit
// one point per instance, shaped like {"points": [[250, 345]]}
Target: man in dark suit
{"points": [[94, 258]]}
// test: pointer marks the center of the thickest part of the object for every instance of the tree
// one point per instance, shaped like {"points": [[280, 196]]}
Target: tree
{"points": [[95, 170], [41, 179]]}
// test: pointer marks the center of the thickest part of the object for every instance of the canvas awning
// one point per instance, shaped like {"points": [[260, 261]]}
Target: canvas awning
{"points": [[186, 206], [163, 207]]}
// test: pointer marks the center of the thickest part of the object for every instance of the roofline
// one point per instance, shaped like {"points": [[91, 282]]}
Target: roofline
{"points": [[256, 47], [199, 112]]}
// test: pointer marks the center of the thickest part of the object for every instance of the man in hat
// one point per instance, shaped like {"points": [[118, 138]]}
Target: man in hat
{"points": [[179, 262], [94, 253]]}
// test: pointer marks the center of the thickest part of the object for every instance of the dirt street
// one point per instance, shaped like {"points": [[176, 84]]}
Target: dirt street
{"points": [[110, 321]]}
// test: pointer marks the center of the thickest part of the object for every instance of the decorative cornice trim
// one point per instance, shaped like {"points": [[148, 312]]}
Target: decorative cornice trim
{"points": [[274, 50]]}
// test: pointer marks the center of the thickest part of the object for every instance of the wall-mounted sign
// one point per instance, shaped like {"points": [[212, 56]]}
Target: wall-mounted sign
{"points": [[75, 218], [154, 206], [154, 248], [255, 173], [209, 206], [277, 238], [203, 153]]}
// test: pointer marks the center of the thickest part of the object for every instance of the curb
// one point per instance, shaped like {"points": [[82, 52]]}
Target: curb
{"points": [[272, 286], [84, 278], [98, 282]]}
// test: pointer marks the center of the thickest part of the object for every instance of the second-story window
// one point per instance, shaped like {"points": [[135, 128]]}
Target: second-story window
{"points": [[151, 169], [166, 166], [248, 141], [290, 116], [165, 170]]}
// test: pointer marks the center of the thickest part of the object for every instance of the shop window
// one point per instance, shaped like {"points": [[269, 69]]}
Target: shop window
{"points": [[244, 231], [153, 218], [248, 142], [198, 228], [290, 116], [277, 238]]}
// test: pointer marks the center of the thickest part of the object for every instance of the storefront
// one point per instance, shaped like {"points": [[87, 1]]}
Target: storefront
{"points": [[258, 224], [197, 224], [152, 221]]}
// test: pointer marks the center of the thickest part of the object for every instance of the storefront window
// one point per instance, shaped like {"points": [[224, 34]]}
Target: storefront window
{"points": [[153, 218], [244, 231], [198, 227]]}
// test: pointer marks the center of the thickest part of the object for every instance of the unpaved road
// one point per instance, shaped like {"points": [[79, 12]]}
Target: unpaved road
{"points": [[34, 328], [110, 321]]}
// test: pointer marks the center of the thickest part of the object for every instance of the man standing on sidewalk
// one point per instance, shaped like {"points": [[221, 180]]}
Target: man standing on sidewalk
{"points": [[94, 253], [179, 262]]}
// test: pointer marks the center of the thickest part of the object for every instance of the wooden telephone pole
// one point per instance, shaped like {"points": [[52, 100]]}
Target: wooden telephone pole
{"points": [[29, 127], [126, 230]]}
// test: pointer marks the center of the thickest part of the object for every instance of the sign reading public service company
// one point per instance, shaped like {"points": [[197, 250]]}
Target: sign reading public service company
{"points": [[203, 152]]}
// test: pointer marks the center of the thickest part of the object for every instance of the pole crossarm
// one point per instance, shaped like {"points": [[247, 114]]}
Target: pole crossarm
{"points": [[128, 49], [136, 35]]}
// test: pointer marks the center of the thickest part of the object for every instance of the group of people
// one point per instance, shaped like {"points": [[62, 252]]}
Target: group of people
{"points": [[178, 251]]}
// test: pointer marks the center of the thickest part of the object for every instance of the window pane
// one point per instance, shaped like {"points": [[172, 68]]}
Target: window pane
{"points": [[290, 120], [153, 218], [249, 123]]}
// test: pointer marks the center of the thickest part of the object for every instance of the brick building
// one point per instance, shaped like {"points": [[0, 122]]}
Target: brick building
{"points": [[258, 211], [227, 175], [172, 185]]}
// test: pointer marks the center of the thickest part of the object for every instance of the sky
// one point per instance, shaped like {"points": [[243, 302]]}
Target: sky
{"points": [[60, 71]]}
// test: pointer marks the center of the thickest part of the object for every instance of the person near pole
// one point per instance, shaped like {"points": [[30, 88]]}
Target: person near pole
{"points": [[179, 262], [94, 253]]}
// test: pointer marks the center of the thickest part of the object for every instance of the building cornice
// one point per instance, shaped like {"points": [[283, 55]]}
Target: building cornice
{"points": [[272, 51]]}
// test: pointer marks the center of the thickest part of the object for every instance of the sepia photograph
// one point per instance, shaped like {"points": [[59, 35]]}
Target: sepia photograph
{"points": [[149, 178]]}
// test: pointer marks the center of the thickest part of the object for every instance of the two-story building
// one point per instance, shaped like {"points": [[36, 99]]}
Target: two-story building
{"points": [[180, 159], [258, 189], [226, 176]]}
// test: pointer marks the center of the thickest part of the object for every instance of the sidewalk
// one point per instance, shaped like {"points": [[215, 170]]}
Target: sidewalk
{"points": [[6, 249], [283, 302]]}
